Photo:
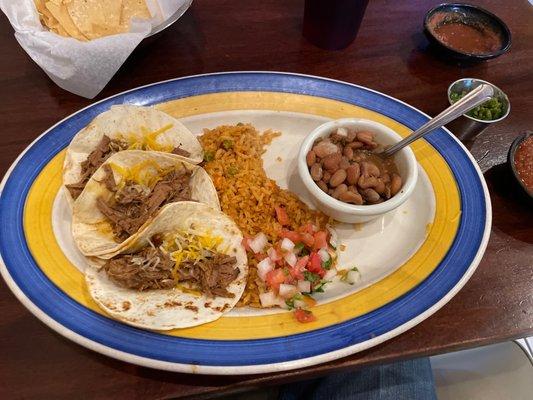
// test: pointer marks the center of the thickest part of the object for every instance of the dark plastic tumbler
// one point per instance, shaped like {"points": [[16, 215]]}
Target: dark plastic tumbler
{"points": [[333, 24]]}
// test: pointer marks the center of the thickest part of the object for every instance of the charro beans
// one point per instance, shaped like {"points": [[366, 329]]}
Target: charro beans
{"points": [[345, 166]]}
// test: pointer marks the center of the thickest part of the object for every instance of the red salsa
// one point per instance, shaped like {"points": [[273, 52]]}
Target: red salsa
{"points": [[471, 39], [523, 161]]}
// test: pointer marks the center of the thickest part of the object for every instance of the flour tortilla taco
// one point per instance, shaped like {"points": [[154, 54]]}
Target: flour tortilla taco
{"points": [[127, 192], [125, 127], [187, 268]]}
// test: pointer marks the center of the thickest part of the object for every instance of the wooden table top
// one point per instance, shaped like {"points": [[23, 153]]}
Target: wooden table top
{"points": [[389, 55]]}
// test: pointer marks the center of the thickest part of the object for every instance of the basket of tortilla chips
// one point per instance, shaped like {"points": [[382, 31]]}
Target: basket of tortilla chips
{"points": [[80, 44]]}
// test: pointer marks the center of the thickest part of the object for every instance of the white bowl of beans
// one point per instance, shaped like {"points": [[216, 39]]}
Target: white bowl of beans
{"points": [[339, 165]]}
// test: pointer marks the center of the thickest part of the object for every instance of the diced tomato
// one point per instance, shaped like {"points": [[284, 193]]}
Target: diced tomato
{"points": [[320, 240], [281, 215], [307, 239], [307, 228], [315, 265], [297, 270], [309, 301], [304, 316], [274, 278], [291, 235], [302, 262], [246, 243]]}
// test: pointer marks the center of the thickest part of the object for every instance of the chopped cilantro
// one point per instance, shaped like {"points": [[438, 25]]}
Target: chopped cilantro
{"points": [[240, 124], [290, 302], [319, 288], [298, 247], [305, 252], [311, 277], [227, 144], [209, 156], [286, 271], [327, 264]]}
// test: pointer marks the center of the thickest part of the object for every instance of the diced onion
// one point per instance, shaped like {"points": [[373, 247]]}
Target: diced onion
{"points": [[287, 291], [273, 254], [342, 131], [330, 274], [353, 277], [291, 259], [287, 244], [268, 299], [258, 242], [304, 286], [324, 255], [264, 267], [299, 304], [333, 237]]}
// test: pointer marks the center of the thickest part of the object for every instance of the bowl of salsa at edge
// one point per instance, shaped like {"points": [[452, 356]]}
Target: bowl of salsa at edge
{"points": [[466, 32], [520, 159]]}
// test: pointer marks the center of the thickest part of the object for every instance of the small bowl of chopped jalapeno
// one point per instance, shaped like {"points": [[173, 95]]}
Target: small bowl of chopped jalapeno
{"points": [[492, 110], [477, 119]]}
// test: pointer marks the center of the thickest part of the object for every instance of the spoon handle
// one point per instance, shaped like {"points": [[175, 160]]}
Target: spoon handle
{"points": [[474, 98]]}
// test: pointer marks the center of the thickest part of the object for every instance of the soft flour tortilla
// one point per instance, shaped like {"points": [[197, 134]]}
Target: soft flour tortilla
{"points": [[127, 120], [172, 308], [93, 232]]}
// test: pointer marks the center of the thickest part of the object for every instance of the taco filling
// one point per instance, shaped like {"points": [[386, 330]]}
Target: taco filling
{"points": [[135, 200], [107, 147], [188, 261]]}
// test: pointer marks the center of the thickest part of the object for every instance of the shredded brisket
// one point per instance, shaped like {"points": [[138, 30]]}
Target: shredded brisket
{"points": [[180, 152], [104, 149], [132, 205], [212, 275], [150, 268]]}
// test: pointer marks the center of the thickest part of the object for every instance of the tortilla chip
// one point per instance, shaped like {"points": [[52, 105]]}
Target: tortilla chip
{"points": [[133, 9], [96, 18], [60, 13]]}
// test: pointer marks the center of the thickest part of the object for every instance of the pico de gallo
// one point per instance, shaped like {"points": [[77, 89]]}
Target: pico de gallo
{"points": [[295, 267]]}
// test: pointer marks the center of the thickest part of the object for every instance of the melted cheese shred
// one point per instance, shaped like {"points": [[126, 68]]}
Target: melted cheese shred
{"points": [[148, 140]]}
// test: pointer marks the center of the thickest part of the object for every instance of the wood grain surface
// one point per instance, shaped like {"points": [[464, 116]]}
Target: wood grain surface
{"points": [[391, 55]]}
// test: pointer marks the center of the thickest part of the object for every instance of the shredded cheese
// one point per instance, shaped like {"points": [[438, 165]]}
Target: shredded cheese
{"points": [[187, 246], [147, 140], [146, 173]]}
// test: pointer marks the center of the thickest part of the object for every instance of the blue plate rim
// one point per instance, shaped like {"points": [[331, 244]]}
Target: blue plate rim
{"points": [[264, 367]]}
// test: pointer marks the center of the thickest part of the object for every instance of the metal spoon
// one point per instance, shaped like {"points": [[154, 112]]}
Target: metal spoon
{"points": [[474, 98]]}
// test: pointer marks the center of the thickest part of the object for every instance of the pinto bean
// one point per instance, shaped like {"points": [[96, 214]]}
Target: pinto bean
{"points": [[339, 190], [380, 187], [387, 192], [352, 174], [348, 152], [396, 184], [325, 148], [350, 137], [326, 176], [345, 163], [355, 145], [370, 169], [337, 178], [351, 197], [331, 162], [370, 195], [323, 185], [310, 158], [367, 138], [366, 182], [316, 172], [385, 177]]}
